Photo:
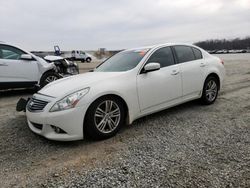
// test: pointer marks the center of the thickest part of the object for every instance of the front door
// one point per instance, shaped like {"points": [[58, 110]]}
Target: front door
{"points": [[161, 88], [14, 70]]}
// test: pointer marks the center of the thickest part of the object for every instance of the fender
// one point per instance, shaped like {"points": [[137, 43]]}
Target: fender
{"points": [[213, 71]]}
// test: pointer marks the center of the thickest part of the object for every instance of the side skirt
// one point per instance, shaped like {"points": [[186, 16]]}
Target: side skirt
{"points": [[12, 85]]}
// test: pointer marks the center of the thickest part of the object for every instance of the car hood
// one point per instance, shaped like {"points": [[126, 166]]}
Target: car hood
{"points": [[65, 86]]}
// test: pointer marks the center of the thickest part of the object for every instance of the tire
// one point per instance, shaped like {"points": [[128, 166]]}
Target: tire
{"points": [[48, 77], [98, 122], [88, 59], [210, 90], [82, 60]]}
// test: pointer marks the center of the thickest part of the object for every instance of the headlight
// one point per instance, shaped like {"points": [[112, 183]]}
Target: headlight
{"points": [[69, 101], [70, 70]]}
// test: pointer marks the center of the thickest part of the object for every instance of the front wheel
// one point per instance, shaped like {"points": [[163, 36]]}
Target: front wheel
{"points": [[48, 78], [210, 90], [104, 118]]}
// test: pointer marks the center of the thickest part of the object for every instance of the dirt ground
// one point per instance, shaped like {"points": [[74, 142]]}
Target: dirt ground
{"points": [[186, 146]]}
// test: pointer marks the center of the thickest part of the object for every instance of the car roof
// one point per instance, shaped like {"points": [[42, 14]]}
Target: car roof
{"points": [[160, 45], [10, 44], [16, 46]]}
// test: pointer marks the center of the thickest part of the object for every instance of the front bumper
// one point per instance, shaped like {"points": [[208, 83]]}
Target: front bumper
{"points": [[69, 121]]}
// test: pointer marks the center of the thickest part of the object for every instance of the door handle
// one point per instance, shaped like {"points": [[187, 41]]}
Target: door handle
{"points": [[175, 72], [202, 65]]}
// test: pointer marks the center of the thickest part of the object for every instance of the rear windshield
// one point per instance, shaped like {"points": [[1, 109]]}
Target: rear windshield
{"points": [[122, 61]]}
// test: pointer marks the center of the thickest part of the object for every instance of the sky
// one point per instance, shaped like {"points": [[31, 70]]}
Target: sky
{"points": [[119, 24]]}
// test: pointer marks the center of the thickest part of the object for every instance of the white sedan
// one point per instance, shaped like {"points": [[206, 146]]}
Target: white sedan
{"points": [[127, 86]]}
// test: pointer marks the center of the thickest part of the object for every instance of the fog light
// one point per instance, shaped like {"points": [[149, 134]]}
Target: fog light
{"points": [[57, 130]]}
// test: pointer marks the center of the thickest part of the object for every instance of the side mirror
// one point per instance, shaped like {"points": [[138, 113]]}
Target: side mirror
{"points": [[151, 67], [26, 57]]}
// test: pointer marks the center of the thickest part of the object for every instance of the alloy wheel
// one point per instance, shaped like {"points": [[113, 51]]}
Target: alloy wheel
{"points": [[50, 79], [107, 116], [211, 90]]}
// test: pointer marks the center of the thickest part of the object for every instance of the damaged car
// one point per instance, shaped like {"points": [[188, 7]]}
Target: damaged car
{"points": [[22, 69], [63, 67]]}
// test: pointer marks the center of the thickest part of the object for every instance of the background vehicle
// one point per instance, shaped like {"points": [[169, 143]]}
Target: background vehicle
{"points": [[127, 86], [77, 55], [22, 69], [57, 51]]}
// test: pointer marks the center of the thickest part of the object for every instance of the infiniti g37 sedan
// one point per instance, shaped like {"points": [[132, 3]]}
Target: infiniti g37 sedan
{"points": [[127, 86]]}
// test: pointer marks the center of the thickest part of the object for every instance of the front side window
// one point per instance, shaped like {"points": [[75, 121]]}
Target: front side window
{"points": [[9, 52], [164, 56], [184, 53], [122, 61]]}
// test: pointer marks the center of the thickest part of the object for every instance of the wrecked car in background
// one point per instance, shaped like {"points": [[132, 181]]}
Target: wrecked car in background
{"points": [[22, 69], [63, 67]]}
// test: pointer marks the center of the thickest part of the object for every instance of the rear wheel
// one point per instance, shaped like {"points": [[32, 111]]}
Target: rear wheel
{"points": [[48, 78], [210, 90], [104, 118]]}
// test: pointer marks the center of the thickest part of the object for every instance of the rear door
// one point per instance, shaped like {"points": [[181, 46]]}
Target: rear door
{"points": [[14, 70], [192, 70]]}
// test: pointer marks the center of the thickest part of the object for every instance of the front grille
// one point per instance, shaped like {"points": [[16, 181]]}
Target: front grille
{"points": [[36, 105]]}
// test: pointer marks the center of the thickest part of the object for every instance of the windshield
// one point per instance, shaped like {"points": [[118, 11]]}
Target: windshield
{"points": [[122, 61]]}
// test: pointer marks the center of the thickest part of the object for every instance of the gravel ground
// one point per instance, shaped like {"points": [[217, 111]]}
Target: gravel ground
{"points": [[186, 146]]}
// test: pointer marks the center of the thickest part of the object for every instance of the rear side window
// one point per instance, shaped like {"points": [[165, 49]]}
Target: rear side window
{"points": [[197, 53], [164, 56], [184, 53]]}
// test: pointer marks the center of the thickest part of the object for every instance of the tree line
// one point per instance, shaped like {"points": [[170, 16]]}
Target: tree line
{"points": [[219, 44]]}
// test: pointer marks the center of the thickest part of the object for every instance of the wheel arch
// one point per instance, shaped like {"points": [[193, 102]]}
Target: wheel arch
{"points": [[46, 72], [216, 76], [126, 108]]}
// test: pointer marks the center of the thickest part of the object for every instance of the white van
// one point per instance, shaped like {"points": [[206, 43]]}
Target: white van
{"points": [[78, 55]]}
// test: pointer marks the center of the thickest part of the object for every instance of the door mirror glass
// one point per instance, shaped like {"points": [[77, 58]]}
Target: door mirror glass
{"points": [[26, 57], [151, 67]]}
